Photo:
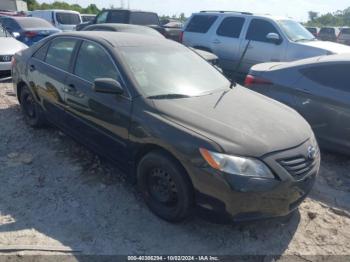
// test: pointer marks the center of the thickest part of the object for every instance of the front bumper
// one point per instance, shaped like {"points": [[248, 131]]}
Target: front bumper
{"points": [[239, 198]]}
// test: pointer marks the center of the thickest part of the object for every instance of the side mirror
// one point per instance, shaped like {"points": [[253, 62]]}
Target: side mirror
{"points": [[16, 34], [273, 38], [107, 86]]}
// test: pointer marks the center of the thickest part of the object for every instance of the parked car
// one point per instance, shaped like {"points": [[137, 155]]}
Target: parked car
{"points": [[317, 88], [28, 30], [87, 17], [126, 16], [329, 34], [344, 36], [144, 30], [187, 139], [227, 35], [64, 20], [8, 47], [313, 30]]}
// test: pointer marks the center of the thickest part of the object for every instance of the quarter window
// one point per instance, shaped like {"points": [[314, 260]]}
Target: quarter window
{"points": [[334, 76], [231, 27], [201, 23], [259, 29], [60, 53], [41, 53], [93, 62]]}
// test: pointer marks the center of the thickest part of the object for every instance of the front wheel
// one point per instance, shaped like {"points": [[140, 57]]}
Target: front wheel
{"points": [[165, 186], [33, 114]]}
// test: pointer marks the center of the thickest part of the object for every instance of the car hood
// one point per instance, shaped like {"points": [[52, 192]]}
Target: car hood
{"points": [[328, 46], [9, 46], [241, 121]]}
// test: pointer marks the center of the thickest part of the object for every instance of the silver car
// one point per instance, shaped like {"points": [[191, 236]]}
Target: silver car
{"points": [[227, 34], [8, 47], [318, 88]]}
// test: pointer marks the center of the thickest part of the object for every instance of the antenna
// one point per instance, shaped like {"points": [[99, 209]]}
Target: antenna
{"points": [[128, 4]]}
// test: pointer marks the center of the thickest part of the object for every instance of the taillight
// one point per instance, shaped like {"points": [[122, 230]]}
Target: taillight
{"points": [[30, 34], [181, 36], [253, 80]]}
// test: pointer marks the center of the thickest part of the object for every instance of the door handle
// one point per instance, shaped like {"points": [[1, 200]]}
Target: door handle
{"points": [[216, 41], [32, 68], [69, 89]]}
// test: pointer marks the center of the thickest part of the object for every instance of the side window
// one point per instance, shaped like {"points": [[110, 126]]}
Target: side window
{"points": [[60, 52], [332, 75], [41, 53], [93, 62], [231, 27], [102, 18], [201, 23], [259, 29], [144, 18], [118, 16]]}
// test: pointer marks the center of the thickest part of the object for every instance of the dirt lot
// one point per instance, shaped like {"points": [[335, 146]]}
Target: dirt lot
{"points": [[57, 195]]}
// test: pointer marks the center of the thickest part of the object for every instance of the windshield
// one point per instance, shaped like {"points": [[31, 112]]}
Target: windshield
{"points": [[295, 31], [68, 18], [161, 70]]}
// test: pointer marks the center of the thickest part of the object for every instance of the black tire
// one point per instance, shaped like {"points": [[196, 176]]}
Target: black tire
{"points": [[32, 112], [165, 186]]}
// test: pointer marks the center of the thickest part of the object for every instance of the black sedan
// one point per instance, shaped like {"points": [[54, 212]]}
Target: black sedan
{"points": [[177, 126]]}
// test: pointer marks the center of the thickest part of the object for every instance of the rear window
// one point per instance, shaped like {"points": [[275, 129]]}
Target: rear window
{"points": [[141, 18], [327, 31], [201, 23], [312, 30], [33, 22], [345, 31], [68, 18], [118, 17]]}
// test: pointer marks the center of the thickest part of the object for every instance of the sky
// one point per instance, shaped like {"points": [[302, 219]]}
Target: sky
{"points": [[297, 9]]}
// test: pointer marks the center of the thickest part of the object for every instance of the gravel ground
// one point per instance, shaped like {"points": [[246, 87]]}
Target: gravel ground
{"points": [[55, 194]]}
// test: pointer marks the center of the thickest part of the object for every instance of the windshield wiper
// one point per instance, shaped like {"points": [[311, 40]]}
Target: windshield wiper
{"points": [[169, 96]]}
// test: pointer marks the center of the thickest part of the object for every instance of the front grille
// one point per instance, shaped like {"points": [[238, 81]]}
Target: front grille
{"points": [[5, 58], [299, 166]]}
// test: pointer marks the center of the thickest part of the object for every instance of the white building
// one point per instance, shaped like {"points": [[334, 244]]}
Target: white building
{"points": [[13, 5]]}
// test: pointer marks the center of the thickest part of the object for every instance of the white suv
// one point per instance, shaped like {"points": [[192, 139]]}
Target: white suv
{"points": [[227, 33]]}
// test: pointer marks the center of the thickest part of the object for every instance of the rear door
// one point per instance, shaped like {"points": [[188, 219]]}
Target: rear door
{"points": [[198, 31], [100, 120], [261, 49], [226, 41], [47, 73], [324, 100]]}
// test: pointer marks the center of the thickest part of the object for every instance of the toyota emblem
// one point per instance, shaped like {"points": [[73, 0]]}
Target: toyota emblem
{"points": [[311, 152]]}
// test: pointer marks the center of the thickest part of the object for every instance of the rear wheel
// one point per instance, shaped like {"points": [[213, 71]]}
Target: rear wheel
{"points": [[32, 112], [165, 186]]}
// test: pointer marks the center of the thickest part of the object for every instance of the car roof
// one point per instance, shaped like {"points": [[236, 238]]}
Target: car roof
{"points": [[120, 39], [56, 10], [129, 10], [244, 14], [310, 61]]}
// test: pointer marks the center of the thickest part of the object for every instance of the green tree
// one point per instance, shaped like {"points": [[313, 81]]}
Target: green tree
{"points": [[313, 15]]}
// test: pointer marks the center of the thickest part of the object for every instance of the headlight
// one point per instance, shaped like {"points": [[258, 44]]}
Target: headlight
{"points": [[235, 165]]}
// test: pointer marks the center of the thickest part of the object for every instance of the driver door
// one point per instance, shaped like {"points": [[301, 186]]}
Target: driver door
{"points": [[100, 120], [261, 49]]}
